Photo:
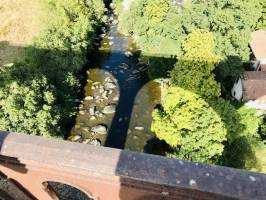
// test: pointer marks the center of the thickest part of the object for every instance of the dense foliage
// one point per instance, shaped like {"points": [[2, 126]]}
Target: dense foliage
{"points": [[191, 125], [206, 37], [37, 93], [261, 24], [231, 22], [194, 70], [210, 131], [242, 144]]}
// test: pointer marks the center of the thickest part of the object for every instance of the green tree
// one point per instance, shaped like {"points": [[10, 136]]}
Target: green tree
{"points": [[194, 70], [231, 22], [190, 125]]}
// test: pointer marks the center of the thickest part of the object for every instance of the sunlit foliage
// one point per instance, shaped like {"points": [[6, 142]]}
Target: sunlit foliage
{"points": [[37, 94], [231, 22], [190, 125], [194, 70]]}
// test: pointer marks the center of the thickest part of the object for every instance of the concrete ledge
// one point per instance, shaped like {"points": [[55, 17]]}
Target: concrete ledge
{"points": [[105, 173]]}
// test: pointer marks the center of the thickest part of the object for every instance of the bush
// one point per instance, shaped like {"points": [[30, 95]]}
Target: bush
{"points": [[37, 93]]}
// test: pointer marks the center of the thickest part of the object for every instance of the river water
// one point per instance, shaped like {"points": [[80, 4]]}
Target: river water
{"points": [[118, 98]]}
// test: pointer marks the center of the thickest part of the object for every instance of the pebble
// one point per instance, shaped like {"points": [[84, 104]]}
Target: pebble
{"points": [[109, 109], [93, 118], [85, 129], [76, 138], [95, 142], [116, 98], [82, 112], [139, 128], [100, 129], [88, 98], [92, 110], [86, 141]]}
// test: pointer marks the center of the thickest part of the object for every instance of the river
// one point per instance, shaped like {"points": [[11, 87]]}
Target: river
{"points": [[118, 98]]}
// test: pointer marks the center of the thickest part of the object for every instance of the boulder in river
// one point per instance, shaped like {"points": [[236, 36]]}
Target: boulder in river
{"points": [[110, 92], [86, 129], [116, 98], [82, 112], [100, 129], [109, 109], [109, 85], [75, 138], [92, 118], [88, 98], [112, 6], [128, 54], [101, 90], [95, 142], [86, 141], [139, 128], [92, 110], [115, 22]]}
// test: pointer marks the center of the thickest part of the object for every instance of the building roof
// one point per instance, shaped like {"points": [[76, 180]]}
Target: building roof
{"points": [[258, 44], [254, 84]]}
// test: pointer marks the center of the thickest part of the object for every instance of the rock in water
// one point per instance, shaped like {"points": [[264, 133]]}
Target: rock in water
{"points": [[109, 85], [92, 110], [88, 98], [112, 6], [100, 129], [139, 128], [116, 98], [82, 112], [86, 141], [128, 54], [109, 109], [95, 142], [93, 118], [75, 138]]}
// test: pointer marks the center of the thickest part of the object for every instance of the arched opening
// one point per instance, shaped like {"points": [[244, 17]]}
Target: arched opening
{"points": [[62, 191]]}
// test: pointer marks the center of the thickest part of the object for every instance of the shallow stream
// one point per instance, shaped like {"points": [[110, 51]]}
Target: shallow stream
{"points": [[119, 97]]}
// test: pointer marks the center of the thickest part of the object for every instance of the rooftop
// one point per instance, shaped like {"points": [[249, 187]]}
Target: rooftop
{"points": [[254, 84], [258, 44]]}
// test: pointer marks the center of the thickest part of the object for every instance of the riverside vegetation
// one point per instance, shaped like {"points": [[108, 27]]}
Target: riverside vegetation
{"points": [[38, 91], [200, 47]]}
